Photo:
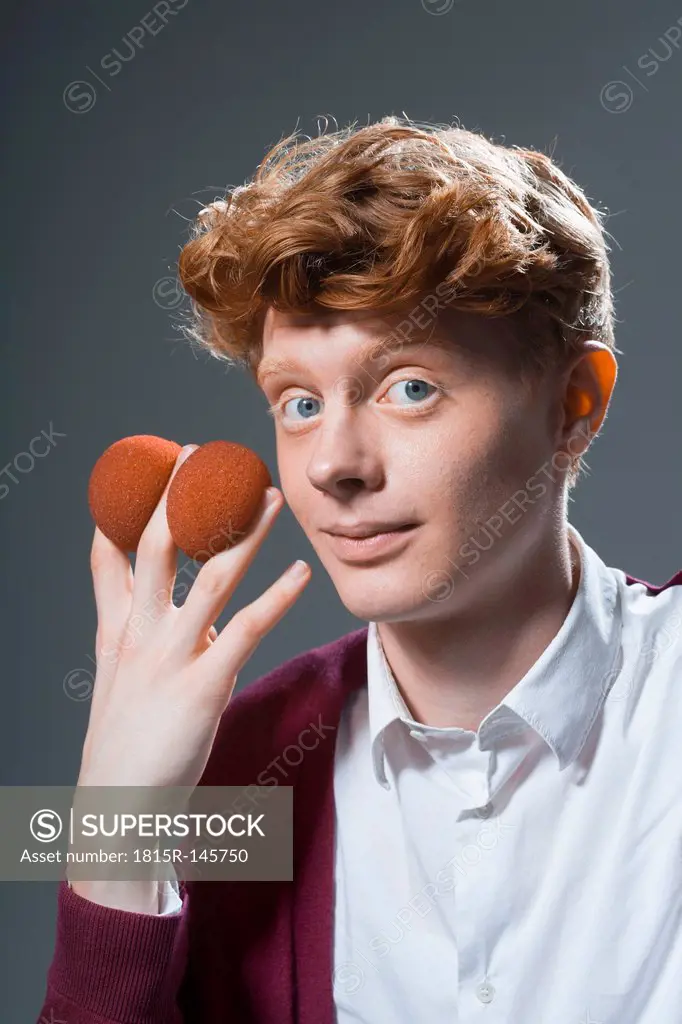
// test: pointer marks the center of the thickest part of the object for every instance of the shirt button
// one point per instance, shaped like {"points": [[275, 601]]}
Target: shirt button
{"points": [[485, 992], [418, 735]]}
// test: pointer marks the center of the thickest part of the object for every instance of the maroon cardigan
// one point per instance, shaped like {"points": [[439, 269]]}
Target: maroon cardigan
{"points": [[238, 952]]}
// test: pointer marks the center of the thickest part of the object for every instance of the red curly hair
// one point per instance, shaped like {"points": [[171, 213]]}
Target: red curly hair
{"points": [[383, 215]]}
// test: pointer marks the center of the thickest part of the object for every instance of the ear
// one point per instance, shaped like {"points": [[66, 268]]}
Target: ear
{"points": [[589, 385]]}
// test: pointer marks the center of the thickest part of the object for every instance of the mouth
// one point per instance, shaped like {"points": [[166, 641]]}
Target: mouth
{"points": [[377, 544]]}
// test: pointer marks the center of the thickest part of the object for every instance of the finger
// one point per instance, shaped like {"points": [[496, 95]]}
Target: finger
{"points": [[112, 578], [221, 663], [156, 560], [218, 579]]}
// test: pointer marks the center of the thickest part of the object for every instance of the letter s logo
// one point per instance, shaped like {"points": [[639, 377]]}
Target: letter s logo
{"points": [[45, 826]]}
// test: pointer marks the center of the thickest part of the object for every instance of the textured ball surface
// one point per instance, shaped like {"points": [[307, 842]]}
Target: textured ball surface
{"points": [[126, 484], [214, 498]]}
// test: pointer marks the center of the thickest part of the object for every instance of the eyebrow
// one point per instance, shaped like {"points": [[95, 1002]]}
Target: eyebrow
{"points": [[368, 353]]}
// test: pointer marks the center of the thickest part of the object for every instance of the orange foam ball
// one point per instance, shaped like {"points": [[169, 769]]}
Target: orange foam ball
{"points": [[126, 484], [214, 498]]}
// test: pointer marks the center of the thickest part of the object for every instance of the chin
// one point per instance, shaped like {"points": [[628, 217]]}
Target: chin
{"points": [[377, 594]]}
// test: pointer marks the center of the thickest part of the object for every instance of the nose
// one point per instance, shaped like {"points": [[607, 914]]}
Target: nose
{"points": [[346, 455]]}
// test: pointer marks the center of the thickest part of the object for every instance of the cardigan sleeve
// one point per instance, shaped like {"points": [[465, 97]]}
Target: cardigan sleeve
{"points": [[114, 966]]}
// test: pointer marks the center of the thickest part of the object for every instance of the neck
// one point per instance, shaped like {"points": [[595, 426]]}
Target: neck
{"points": [[454, 671]]}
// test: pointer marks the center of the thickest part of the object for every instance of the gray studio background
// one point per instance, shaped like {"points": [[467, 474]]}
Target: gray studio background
{"points": [[100, 179]]}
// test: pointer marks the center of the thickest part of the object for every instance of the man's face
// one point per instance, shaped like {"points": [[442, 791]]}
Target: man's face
{"points": [[437, 430]]}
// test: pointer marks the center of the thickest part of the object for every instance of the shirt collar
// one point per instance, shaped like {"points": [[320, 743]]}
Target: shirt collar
{"points": [[560, 695]]}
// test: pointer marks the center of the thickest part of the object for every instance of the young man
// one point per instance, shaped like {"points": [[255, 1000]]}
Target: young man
{"points": [[487, 813]]}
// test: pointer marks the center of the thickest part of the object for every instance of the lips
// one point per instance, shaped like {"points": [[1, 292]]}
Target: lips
{"points": [[377, 546], [363, 532]]}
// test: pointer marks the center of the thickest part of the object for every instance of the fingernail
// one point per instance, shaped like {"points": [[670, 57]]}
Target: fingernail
{"points": [[271, 496], [297, 570], [187, 450]]}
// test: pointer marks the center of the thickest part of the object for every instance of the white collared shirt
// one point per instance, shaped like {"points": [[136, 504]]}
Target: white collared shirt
{"points": [[530, 872]]}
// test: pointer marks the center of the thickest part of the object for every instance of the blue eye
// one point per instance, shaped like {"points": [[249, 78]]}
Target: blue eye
{"points": [[303, 405], [415, 389]]}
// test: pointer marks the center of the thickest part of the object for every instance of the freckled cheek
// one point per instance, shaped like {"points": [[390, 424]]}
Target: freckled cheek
{"points": [[503, 461], [461, 475], [436, 481], [525, 447]]}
